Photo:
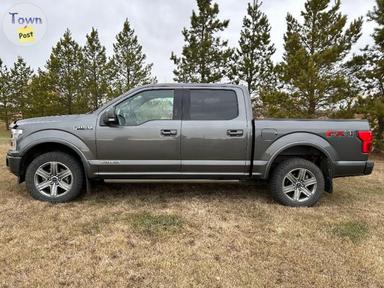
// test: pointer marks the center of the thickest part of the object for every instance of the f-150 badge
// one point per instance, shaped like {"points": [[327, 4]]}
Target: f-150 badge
{"points": [[83, 127]]}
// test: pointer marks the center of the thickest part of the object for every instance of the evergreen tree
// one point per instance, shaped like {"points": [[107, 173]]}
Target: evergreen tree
{"points": [[377, 15], [65, 70], [5, 99], [96, 71], [369, 71], [43, 99], [252, 60], [128, 67], [205, 56], [20, 77], [312, 73]]}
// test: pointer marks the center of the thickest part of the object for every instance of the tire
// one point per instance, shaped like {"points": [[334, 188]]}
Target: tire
{"points": [[54, 177], [297, 182]]}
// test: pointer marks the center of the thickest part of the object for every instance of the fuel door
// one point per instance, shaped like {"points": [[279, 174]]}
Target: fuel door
{"points": [[269, 134]]}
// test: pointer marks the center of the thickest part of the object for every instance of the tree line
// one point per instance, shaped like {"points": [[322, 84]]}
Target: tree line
{"points": [[75, 79], [317, 76]]}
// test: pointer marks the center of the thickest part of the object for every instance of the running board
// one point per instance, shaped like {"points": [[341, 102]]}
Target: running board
{"points": [[169, 181]]}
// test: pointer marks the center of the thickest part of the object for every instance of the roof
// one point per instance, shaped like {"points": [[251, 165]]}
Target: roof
{"points": [[193, 85]]}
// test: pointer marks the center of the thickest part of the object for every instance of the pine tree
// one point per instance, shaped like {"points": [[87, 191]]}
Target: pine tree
{"points": [[377, 15], [311, 73], [5, 99], [20, 77], [252, 62], [128, 67], [205, 56], [369, 71], [43, 99], [96, 71], [65, 68]]}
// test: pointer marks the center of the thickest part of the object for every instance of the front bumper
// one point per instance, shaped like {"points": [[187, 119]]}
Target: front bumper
{"points": [[13, 164]]}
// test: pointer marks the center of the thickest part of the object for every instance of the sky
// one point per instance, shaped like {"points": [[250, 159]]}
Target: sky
{"points": [[157, 23]]}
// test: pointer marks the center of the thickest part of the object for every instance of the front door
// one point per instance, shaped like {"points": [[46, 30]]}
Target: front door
{"points": [[146, 140]]}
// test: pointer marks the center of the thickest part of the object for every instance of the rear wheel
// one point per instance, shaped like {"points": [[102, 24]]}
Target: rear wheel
{"points": [[54, 177], [297, 182]]}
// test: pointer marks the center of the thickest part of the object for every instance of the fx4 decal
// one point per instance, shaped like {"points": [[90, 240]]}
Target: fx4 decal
{"points": [[343, 133]]}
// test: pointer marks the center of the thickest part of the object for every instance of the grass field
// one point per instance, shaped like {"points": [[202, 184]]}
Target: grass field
{"points": [[192, 235]]}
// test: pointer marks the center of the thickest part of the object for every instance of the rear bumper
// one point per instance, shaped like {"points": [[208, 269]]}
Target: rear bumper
{"points": [[352, 168], [368, 167], [13, 164]]}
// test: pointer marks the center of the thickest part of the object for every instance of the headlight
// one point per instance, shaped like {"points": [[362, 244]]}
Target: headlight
{"points": [[15, 134]]}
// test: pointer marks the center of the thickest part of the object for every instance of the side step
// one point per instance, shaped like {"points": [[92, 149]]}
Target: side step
{"points": [[169, 181]]}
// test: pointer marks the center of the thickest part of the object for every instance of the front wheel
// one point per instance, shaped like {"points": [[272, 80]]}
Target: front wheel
{"points": [[54, 177], [297, 182]]}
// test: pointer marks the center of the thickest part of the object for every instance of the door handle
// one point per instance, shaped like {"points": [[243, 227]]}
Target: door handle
{"points": [[235, 132], [168, 132]]}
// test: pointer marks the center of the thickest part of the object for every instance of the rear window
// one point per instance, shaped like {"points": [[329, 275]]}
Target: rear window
{"points": [[212, 105]]}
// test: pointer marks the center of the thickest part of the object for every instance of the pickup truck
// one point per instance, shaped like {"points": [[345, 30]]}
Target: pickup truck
{"points": [[186, 131]]}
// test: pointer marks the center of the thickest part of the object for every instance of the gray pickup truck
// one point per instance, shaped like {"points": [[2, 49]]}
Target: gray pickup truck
{"points": [[186, 131]]}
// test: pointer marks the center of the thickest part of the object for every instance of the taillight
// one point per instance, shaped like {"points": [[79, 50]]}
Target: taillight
{"points": [[366, 138]]}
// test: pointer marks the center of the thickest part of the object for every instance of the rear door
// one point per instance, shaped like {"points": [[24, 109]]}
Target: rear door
{"points": [[214, 133]]}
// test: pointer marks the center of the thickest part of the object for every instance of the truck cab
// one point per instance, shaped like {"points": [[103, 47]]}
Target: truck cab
{"points": [[176, 131]]}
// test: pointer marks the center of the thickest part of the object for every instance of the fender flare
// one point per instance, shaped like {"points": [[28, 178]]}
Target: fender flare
{"points": [[60, 137], [298, 139]]}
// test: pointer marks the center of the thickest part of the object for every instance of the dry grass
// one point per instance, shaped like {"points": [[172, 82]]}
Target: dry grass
{"points": [[192, 235], [4, 134]]}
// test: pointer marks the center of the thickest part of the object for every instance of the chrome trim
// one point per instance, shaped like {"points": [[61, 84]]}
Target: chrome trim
{"points": [[171, 162], [214, 162]]}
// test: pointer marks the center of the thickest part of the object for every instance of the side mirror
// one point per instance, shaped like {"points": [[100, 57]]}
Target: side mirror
{"points": [[110, 118]]}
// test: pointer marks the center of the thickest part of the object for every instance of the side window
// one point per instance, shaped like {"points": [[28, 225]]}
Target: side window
{"points": [[146, 106], [212, 105]]}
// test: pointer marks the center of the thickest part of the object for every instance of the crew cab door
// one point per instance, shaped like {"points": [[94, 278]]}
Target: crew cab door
{"points": [[215, 133], [146, 140]]}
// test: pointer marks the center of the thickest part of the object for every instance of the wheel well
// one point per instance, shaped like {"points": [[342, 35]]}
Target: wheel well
{"points": [[44, 148], [309, 153]]}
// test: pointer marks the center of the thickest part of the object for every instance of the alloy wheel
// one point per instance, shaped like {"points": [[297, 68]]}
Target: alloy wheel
{"points": [[299, 184], [53, 179]]}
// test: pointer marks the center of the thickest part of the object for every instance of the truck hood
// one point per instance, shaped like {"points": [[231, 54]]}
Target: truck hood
{"points": [[50, 119], [64, 122]]}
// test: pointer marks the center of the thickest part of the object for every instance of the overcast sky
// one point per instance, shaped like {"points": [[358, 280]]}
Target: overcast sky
{"points": [[158, 24]]}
